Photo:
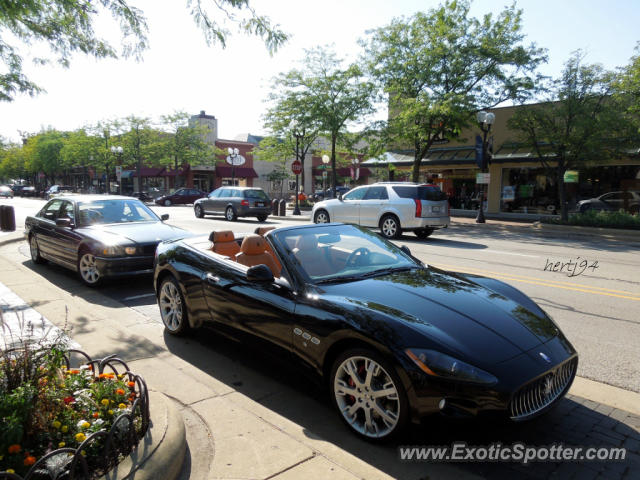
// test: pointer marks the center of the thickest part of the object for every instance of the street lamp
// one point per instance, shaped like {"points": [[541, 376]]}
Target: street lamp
{"points": [[298, 135], [325, 161], [233, 153], [355, 163], [117, 150], [485, 120]]}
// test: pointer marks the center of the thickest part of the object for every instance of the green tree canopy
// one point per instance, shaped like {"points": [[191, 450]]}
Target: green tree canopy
{"points": [[437, 69], [67, 27]]}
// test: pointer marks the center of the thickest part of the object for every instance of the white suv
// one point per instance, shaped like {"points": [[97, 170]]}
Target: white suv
{"points": [[390, 206]]}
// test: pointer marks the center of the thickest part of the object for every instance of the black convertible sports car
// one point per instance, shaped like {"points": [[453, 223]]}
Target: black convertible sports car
{"points": [[395, 339], [98, 235]]}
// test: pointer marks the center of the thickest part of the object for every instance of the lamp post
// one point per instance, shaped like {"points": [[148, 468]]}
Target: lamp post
{"points": [[298, 135], [325, 161], [356, 173], [233, 153], [485, 120], [117, 150]]}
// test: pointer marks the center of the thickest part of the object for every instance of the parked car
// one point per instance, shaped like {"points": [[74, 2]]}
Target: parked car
{"points": [[98, 236], [16, 189], [234, 202], [55, 190], [328, 193], [391, 338], [393, 207], [29, 191], [612, 201], [5, 191], [181, 196], [143, 196]]}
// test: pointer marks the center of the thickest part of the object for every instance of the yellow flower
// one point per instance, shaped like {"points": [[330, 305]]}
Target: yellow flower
{"points": [[110, 412], [104, 401], [64, 429], [86, 425], [121, 376], [10, 470], [83, 453], [61, 444], [56, 424], [80, 437]]}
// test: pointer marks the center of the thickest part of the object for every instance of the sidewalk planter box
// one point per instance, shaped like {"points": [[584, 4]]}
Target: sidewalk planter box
{"points": [[59, 421]]}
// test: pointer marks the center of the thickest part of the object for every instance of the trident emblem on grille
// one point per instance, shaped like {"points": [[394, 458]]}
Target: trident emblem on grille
{"points": [[548, 386]]}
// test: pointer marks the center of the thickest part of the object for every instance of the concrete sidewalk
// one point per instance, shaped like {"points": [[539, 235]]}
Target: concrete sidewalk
{"points": [[244, 424]]}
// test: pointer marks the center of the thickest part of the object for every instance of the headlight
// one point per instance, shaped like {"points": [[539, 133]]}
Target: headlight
{"points": [[130, 250], [438, 364], [118, 251]]}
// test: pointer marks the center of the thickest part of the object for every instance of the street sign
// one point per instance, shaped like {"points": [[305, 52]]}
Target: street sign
{"points": [[236, 161], [118, 172], [482, 178], [571, 176], [296, 167]]}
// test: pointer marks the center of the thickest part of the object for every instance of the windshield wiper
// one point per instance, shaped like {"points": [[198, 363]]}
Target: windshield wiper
{"points": [[347, 278], [375, 273]]}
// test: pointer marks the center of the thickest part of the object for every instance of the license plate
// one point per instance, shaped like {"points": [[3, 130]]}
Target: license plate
{"points": [[259, 204], [435, 209]]}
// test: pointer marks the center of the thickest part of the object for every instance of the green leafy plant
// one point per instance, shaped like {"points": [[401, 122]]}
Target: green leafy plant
{"points": [[593, 218]]}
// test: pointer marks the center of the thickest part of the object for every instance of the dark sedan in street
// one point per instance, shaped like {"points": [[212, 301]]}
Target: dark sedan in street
{"points": [[391, 338], [180, 197], [98, 236]]}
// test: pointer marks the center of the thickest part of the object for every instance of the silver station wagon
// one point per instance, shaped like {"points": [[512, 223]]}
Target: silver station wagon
{"points": [[234, 202]]}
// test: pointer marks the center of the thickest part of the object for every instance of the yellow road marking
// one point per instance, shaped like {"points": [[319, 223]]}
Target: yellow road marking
{"points": [[534, 281]]}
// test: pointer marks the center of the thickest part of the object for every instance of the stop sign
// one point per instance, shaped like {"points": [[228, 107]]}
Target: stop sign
{"points": [[296, 167]]}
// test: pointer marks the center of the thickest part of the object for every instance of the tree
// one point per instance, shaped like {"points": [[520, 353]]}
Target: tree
{"points": [[67, 27], [141, 143], [437, 69], [326, 95], [185, 143], [578, 122], [82, 150], [626, 89]]}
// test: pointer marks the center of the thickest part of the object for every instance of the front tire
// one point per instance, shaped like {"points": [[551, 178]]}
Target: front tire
{"points": [[35, 250], [167, 203], [230, 215], [173, 309], [423, 233], [369, 394], [321, 216], [199, 211], [390, 226], [88, 270]]}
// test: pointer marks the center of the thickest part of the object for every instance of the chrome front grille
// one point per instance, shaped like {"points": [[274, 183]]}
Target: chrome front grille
{"points": [[542, 392]]}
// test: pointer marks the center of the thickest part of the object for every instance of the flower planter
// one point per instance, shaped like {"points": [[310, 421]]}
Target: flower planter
{"points": [[84, 420]]}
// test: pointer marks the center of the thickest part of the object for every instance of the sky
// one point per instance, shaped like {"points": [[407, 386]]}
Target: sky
{"points": [[180, 72]]}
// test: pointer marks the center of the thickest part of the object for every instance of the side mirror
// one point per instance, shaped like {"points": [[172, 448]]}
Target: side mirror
{"points": [[259, 273], [165, 216], [406, 250], [63, 222]]}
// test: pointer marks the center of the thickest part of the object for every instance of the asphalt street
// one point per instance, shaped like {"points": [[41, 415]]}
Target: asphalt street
{"points": [[595, 299]]}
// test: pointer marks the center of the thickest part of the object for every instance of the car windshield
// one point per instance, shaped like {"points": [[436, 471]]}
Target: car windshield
{"points": [[337, 253], [114, 211], [256, 194]]}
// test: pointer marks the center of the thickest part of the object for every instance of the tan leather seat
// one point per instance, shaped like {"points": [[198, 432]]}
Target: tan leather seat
{"points": [[224, 243], [312, 258], [262, 230], [253, 251]]}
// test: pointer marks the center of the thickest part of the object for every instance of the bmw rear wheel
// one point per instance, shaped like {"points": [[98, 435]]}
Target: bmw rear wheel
{"points": [[368, 394], [390, 226], [172, 307], [88, 270], [321, 216], [35, 250]]}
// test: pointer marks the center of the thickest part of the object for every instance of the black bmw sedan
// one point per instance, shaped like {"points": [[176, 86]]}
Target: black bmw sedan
{"points": [[98, 236], [392, 338]]}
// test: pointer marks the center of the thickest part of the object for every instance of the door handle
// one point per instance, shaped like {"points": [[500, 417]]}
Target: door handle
{"points": [[212, 279]]}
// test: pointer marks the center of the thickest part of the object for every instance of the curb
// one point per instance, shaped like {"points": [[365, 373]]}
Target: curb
{"points": [[11, 238], [161, 451], [616, 397], [297, 218]]}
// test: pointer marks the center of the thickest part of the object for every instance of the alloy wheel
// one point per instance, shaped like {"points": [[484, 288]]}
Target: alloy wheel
{"points": [[322, 217], [171, 307], [34, 250], [367, 397], [199, 211], [88, 269], [230, 214], [389, 227], [167, 203]]}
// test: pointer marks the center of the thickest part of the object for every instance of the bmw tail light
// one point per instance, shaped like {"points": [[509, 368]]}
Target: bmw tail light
{"points": [[244, 203], [418, 207]]}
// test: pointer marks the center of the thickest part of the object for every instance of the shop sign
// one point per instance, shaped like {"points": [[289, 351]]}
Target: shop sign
{"points": [[482, 178], [508, 193], [571, 176]]}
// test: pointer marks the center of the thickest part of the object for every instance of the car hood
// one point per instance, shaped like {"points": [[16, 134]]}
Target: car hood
{"points": [[138, 232], [473, 321]]}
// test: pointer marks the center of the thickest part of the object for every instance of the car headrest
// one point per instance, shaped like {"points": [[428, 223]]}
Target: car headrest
{"points": [[307, 242], [253, 245], [221, 236], [263, 230]]}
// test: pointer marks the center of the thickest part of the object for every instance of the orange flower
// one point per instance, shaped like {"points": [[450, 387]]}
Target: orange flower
{"points": [[15, 448], [96, 415], [131, 384], [29, 460], [120, 391], [106, 375], [74, 372]]}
